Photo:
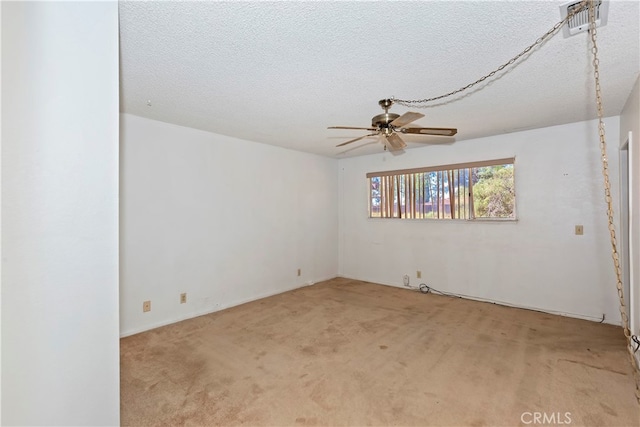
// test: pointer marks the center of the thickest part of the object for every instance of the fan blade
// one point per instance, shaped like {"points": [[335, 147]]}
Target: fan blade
{"points": [[355, 139], [406, 118], [349, 127], [395, 142], [431, 131]]}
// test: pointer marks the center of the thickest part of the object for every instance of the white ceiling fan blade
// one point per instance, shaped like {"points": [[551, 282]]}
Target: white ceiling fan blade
{"points": [[406, 118], [430, 131], [395, 142], [355, 139]]}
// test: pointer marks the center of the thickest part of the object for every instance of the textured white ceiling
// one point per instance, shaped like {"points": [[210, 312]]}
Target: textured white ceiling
{"points": [[281, 72]]}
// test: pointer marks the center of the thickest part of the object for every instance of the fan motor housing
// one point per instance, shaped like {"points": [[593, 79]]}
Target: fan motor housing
{"points": [[383, 120]]}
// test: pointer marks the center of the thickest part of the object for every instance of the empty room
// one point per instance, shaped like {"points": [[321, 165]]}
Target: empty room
{"points": [[343, 213]]}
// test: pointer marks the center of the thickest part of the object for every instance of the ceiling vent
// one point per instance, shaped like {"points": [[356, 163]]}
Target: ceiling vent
{"points": [[579, 22]]}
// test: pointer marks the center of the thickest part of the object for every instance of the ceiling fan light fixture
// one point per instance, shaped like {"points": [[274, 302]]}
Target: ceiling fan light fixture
{"points": [[384, 119], [390, 125]]}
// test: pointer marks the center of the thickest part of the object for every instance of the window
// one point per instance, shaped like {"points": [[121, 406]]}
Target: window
{"points": [[475, 190]]}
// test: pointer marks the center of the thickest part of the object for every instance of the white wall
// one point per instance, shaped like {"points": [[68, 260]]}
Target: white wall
{"points": [[630, 122], [536, 262], [0, 221], [60, 361], [222, 219]]}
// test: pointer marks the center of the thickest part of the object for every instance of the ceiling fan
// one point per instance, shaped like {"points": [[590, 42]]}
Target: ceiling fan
{"points": [[389, 125]]}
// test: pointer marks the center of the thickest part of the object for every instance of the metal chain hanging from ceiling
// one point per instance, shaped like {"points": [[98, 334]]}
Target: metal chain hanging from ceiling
{"points": [[538, 42], [608, 199], [603, 151]]}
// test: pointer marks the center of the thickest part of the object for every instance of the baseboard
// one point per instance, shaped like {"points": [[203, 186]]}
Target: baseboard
{"points": [[311, 283], [504, 303]]}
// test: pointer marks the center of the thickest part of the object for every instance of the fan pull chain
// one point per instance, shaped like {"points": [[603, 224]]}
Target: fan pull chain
{"points": [[608, 199], [538, 42]]}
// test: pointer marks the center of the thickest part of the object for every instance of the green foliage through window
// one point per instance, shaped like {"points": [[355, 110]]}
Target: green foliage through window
{"points": [[494, 192]]}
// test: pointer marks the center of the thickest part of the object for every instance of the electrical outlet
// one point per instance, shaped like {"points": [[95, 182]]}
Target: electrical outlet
{"points": [[299, 272], [579, 230], [146, 306], [419, 274], [183, 298], [405, 279]]}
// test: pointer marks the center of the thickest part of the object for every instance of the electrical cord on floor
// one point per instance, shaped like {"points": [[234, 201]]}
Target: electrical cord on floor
{"points": [[425, 289], [636, 341]]}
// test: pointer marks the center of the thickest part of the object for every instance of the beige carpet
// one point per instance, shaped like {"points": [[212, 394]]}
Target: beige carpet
{"points": [[352, 353]]}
